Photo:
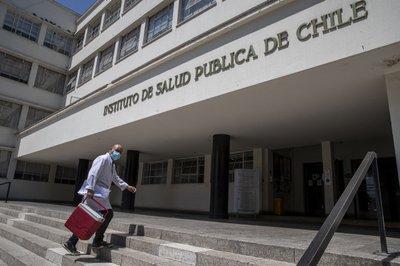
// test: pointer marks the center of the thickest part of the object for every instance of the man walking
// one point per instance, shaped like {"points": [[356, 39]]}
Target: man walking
{"points": [[97, 185]]}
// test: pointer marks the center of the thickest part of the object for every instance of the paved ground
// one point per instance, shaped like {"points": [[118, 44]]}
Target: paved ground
{"points": [[351, 241]]}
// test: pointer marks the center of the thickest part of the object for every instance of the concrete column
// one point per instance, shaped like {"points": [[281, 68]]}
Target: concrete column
{"points": [[219, 197], [83, 169], [116, 49], [42, 34], [328, 169], [131, 176], [96, 61], [103, 16], [32, 74], [258, 166], [3, 11], [267, 181], [393, 94], [121, 10], [170, 171], [85, 36], [175, 16], [23, 116], [78, 76], [207, 169], [142, 33], [52, 173], [13, 164]]}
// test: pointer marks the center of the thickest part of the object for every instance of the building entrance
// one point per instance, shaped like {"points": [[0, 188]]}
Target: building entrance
{"points": [[365, 199], [314, 189]]}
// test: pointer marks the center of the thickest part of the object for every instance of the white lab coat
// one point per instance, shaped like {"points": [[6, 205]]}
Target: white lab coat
{"points": [[101, 175]]}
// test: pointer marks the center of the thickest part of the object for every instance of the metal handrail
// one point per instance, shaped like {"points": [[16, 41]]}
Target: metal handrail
{"points": [[321, 240], [8, 188]]}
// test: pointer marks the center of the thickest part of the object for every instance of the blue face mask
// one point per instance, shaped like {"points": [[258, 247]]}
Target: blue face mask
{"points": [[115, 156]]}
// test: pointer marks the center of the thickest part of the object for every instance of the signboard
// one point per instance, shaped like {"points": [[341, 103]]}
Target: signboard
{"points": [[247, 191]]}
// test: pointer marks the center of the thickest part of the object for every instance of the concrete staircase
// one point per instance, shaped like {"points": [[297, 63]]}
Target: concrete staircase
{"points": [[33, 236]]}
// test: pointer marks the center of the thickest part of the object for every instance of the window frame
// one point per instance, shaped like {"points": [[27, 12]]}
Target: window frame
{"points": [[135, 49], [61, 50], [55, 90], [95, 24], [75, 75], [126, 9], [242, 162], [199, 175], [170, 8], [116, 8], [62, 180], [28, 124], [23, 62], [182, 19], [17, 18], [98, 70], [80, 82], [161, 179], [44, 177], [17, 111]]}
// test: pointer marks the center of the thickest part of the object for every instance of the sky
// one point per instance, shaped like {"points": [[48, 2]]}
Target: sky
{"points": [[79, 6]]}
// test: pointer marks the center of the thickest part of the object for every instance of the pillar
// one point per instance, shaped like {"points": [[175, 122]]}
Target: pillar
{"points": [[328, 169], [32, 74], [219, 196], [393, 94], [175, 15], [23, 116], [131, 177], [83, 169]]}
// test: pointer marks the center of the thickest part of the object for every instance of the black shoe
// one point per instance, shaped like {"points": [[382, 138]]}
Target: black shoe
{"points": [[102, 244], [70, 248]]}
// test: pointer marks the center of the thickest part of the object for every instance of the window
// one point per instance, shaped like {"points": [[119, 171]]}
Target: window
{"points": [[105, 59], [14, 68], [34, 115], [9, 114], [86, 72], [93, 31], [160, 23], [58, 42], [190, 170], [5, 157], [79, 43], [129, 43], [21, 26], [129, 4], [154, 173], [189, 8], [65, 175], [71, 84], [240, 160], [112, 15], [50, 80], [32, 171]]}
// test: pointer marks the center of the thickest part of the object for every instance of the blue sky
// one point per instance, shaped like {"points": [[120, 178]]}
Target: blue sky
{"points": [[79, 6]]}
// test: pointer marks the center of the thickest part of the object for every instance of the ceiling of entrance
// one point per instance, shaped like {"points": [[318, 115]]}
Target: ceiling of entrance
{"points": [[341, 101]]}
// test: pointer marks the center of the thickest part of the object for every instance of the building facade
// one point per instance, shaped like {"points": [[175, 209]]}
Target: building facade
{"points": [[297, 90]]}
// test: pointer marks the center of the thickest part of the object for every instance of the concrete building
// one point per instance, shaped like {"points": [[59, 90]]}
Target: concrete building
{"points": [[297, 90]]}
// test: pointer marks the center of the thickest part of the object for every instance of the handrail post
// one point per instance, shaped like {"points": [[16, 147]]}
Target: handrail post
{"points": [[8, 191], [379, 208]]}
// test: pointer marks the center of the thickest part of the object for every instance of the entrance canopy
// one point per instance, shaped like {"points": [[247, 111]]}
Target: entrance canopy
{"points": [[340, 101]]}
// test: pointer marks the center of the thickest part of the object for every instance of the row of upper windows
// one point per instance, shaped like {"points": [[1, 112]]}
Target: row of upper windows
{"points": [[19, 70], [28, 28], [157, 25]]}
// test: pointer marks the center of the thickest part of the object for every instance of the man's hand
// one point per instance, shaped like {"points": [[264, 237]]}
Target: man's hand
{"points": [[90, 194], [131, 189]]}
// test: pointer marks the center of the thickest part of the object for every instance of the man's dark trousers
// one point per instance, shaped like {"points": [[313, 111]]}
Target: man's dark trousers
{"points": [[98, 238]]}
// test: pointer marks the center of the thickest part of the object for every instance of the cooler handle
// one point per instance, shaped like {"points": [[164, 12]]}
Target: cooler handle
{"points": [[98, 203]]}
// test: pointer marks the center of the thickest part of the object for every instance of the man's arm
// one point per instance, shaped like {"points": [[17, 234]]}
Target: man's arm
{"points": [[121, 183], [93, 175]]}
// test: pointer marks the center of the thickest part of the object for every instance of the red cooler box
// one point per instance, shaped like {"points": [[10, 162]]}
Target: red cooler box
{"points": [[84, 221]]}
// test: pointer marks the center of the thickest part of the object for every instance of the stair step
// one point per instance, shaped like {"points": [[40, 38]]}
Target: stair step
{"points": [[61, 257], [181, 252], [127, 256], [9, 212], [12, 254], [214, 257], [4, 218], [31, 242], [145, 244]]}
